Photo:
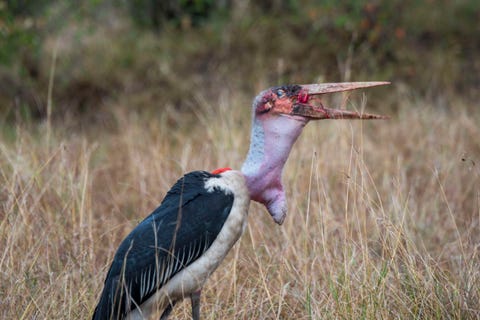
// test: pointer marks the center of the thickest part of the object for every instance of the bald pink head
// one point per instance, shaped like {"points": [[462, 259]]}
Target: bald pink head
{"points": [[279, 116]]}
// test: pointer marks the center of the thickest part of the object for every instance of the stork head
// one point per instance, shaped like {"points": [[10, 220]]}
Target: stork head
{"points": [[303, 103], [279, 115]]}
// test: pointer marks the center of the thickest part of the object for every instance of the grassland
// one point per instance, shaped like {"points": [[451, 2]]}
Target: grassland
{"points": [[384, 216], [100, 116]]}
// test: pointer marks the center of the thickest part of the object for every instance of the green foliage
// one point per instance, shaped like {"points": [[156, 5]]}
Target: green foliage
{"points": [[109, 47], [17, 28], [155, 14]]}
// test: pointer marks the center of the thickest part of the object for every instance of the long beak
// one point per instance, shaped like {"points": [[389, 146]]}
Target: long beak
{"points": [[302, 108]]}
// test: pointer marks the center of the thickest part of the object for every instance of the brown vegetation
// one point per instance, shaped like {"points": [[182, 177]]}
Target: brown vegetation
{"points": [[384, 216]]}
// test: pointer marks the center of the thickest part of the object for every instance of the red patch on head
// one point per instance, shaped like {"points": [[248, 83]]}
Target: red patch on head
{"points": [[221, 170]]}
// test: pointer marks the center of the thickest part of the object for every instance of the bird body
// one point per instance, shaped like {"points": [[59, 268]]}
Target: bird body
{"points": [[171, 253]]}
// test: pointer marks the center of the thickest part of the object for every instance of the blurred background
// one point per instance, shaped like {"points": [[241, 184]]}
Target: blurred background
{"points": [[104, 104], [81, 61]]}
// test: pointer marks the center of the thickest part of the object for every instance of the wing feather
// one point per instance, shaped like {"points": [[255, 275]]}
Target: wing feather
{"points": [[174, 235]]}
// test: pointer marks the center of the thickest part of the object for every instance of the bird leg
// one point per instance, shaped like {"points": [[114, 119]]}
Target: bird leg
{"points": [[195, 298], [167, 311]]}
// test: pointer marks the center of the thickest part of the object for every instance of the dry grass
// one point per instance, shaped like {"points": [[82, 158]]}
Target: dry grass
{"points": [[384, 218]]}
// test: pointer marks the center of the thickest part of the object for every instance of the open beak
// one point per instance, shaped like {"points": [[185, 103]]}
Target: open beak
{"points": [[308, 92]]}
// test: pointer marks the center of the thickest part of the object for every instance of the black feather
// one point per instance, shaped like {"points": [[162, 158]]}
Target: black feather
{"points": [[174, 235]]}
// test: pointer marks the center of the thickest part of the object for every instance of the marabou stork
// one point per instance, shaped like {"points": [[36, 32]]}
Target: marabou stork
{"points": [[171, 253]]}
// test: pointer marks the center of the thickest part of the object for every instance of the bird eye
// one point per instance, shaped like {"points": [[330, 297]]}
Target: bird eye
{"points": [[280, 93]]}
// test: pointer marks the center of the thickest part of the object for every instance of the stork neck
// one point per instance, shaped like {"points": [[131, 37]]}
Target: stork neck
{"points": [[270, 144]]}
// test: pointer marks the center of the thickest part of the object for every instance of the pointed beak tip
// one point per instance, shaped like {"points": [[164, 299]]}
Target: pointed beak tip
{"points": [[382, 83]]}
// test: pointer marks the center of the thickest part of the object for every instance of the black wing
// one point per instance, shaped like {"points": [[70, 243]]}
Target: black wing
{"points": [[179, 231]]}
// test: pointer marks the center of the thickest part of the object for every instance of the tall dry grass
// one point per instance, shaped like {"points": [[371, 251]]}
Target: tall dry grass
{"points": [[384, 219]]}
